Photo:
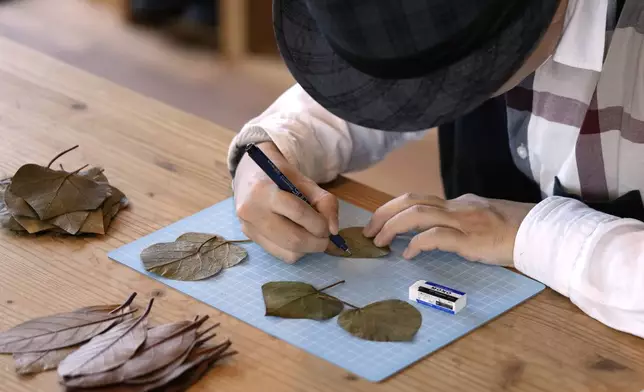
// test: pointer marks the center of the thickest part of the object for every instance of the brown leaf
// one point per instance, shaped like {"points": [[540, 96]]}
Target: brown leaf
{"points": [[33, 225], [299, 300], [164, 345], [188, 371], [112, 206], [17, 205], [196, 358], [109, 350], [52, 192], [361, 247], [57, 331], [36, 362], [385, 321], [162, 372], [94, 223], [71, 222], [189, 378], [191, 260], [95, 174], [6, 218], [7, 221]]}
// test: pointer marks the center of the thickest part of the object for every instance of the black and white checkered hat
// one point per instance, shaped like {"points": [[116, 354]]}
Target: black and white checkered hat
{"points": [[406, 65]]}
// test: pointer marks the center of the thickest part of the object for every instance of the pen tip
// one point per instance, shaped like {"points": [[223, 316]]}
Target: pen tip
{"points": [[348, 252]]}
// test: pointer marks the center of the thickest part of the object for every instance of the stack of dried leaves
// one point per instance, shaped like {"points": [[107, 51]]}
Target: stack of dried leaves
{"points": [[120, 351], [39, 198], [193, 256], [384, 321]]}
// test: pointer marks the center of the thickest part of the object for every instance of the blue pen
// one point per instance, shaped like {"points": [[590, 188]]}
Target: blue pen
{"points": [[284, 184]]}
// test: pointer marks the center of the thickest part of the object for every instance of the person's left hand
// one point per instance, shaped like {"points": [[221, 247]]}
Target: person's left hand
{"points": [[476, 228]]}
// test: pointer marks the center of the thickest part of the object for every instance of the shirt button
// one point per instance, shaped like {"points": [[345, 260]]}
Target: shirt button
{"points": [[522, 151]]}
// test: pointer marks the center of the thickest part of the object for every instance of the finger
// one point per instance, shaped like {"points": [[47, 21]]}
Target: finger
{"points": [[388, 210], [441, 238], [327, 205], [417, 217], [287, 256], [298, 211], [289, 235]]}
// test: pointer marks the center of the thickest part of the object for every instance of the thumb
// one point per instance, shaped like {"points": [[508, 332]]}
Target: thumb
{"points": [[324, 202]]}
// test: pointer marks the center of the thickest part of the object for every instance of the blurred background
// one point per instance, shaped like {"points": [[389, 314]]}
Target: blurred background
{"points": [[213, 58]]}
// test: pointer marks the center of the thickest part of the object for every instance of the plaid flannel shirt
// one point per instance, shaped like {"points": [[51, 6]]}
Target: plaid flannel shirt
{"points": [[579, 118]]}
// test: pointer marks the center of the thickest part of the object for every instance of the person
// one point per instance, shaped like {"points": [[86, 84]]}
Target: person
{"points": [[540, 109]]}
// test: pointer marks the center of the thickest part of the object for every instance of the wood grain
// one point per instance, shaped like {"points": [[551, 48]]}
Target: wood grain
{"points": [[172, 164]]}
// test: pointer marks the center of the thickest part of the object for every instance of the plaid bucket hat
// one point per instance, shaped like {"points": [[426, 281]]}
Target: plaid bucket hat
{"points": [[406, 65]]}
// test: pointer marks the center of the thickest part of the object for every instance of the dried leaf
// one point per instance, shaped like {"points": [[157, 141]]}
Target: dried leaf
{"points": [[299, 300], [109, 350], [33, 225], [162, 372], [57, 331], [178, 378], [191, 260], [94, 223], [361, 247], [185, 381], [164, 345], [52, 192], [384, 321], [71, 222], [36, 362], [197, 357], [94, 174], [7, 221], [230, 253], [17, 205]]}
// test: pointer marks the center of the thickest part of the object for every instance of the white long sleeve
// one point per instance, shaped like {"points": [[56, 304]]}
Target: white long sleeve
{"points": [[595, 259], [319, 143]]}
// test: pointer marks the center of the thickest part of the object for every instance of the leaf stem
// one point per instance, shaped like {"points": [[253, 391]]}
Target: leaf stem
{"points": [[78, 170], [331, 285], [61, 154], [346, 303]]}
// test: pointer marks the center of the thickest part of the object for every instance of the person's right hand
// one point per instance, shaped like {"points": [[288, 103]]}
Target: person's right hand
{"points": [[281, 223]]}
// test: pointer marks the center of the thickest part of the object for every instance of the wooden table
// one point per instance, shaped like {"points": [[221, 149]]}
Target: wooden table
{"points": [[171, 164]]}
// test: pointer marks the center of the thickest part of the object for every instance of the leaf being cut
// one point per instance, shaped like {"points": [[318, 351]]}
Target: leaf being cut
{"points": [[384, 321], [59, 330], [361, 247], [52, 192], [109, 350], [299, 300], [36, 362], [195, 257]]}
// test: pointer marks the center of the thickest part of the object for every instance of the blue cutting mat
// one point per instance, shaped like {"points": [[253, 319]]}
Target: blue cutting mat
{"points": [[490, 290]]}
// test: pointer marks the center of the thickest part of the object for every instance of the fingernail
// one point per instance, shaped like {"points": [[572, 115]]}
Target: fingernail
{"points": [[378, 241], [407, 254], [367, 232]]}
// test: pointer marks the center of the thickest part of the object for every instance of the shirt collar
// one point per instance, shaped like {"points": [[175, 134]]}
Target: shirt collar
{"points": [[584, 35]]}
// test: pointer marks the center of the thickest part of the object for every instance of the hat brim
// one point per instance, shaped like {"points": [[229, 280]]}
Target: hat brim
{"points": [[407, 104]]}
